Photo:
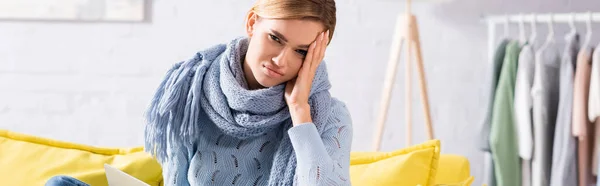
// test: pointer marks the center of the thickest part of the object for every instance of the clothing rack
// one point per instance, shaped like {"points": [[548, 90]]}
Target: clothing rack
{"points": [[531, 18], [572, 20], [544, 18]]}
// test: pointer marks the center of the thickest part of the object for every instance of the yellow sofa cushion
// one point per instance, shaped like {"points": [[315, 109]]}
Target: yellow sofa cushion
{"points": [[453, 170], [415, 165], [30, 160]]}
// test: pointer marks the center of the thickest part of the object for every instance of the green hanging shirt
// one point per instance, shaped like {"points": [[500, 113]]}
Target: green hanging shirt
{"points": [[503, 134]]}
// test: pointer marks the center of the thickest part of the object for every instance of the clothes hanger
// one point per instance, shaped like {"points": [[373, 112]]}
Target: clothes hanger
{"points": [[588, 35], [572, 24], [550, 37], [533, 28], [522, 36]]}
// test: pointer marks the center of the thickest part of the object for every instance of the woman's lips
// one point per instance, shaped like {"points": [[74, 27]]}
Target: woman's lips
{"points": [[271, 73]]}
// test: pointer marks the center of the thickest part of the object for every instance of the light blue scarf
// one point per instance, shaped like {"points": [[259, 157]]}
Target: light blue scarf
{"points": [[213, 82]]}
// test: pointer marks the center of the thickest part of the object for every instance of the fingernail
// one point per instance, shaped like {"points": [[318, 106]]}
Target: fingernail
{"points": [[327, 33], [322, 35]]}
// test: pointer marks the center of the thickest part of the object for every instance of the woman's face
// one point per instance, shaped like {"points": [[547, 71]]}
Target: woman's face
{"points": [[277, 49]]}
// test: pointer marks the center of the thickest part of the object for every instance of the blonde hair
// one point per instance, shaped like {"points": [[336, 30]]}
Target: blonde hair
{"points": [[320, 10]]}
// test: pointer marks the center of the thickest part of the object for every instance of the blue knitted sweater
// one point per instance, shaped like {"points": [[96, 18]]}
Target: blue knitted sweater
{"points": [[234, 136], [219, 159]]}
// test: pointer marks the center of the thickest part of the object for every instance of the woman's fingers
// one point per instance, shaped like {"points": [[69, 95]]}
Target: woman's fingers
{"points": [[305, 69], [317, 51], [310, 53], [321, 51], [313, 58]]}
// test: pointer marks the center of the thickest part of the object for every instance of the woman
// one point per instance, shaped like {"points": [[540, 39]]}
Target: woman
{"points": [[255, 111]]}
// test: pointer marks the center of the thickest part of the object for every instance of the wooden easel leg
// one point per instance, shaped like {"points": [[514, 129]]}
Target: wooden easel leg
{"points": [[404, 23], [406, 31], [395, 51], [422, 81], [408, 81]]}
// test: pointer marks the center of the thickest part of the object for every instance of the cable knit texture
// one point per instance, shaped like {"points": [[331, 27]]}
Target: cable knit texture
{"points": [[206, 127]]}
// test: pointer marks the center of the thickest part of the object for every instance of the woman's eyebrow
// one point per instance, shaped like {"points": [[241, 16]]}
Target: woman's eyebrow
{"points": [[280, 36]]}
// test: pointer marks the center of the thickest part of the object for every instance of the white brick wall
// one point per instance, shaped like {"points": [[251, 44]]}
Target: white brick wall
{"points": [[90, 82]]}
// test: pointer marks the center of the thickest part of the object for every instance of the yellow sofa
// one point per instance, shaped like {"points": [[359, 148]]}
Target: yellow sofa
{"points": [[420, 164], [31, 160]]}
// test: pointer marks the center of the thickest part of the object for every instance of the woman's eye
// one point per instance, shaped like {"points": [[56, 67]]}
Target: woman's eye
{"points": [[274, 38], [302, 52]]}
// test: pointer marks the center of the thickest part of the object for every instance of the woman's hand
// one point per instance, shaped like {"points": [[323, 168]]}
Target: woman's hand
{"points": [[297, 90]]}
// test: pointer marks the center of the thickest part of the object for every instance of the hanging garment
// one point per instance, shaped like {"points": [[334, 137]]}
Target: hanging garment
{"points": [[545, 105], [595, 137], [489, 178], [564, 152], [484, 139], [594, 95], [523, 108], [525, 172], [594, 106], [503, 135], [581, 125], [496, 68]]}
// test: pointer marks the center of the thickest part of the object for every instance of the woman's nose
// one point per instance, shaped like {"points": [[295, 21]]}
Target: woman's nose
{"points": [[281, 58]]}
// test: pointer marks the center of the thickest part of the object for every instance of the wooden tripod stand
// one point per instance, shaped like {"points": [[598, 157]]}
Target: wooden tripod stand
{"points": [[406, 31]]}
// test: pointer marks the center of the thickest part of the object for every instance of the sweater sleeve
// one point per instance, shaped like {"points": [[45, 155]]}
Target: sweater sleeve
{"points": [[323, 159], [175, 167]]}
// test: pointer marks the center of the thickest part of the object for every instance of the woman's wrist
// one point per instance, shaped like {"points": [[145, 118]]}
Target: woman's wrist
{"points": [[300, 113]]}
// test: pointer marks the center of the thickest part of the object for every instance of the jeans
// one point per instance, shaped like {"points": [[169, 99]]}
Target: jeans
{"points": [[64, 181]]}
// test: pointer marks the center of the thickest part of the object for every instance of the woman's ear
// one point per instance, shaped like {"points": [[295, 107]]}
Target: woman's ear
{"points": [[251, 20]]}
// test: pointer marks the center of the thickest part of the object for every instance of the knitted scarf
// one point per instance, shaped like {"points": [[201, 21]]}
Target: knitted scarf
{"points": [[213, 82]]}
